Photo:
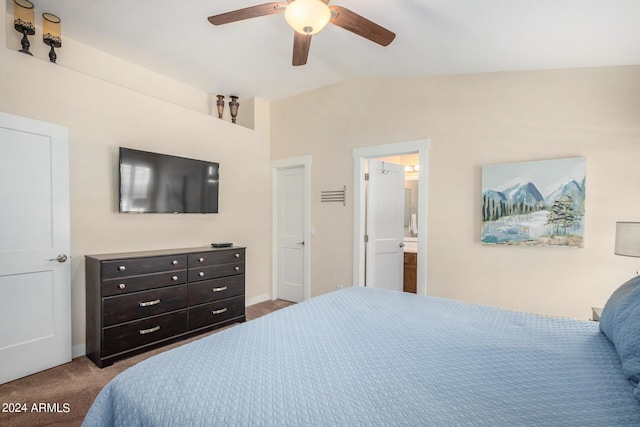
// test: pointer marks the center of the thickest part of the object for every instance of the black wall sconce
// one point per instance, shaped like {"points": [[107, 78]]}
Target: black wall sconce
{"points": [[51, 34], [23, 22]]}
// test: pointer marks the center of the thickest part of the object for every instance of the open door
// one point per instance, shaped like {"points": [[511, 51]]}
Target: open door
{"points": [[385, 226]]}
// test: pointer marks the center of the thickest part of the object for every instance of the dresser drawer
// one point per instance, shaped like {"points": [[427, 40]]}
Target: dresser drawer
{"points": [[216, 289], [204, 259], [141, 332], [123, 308], [219, 311], [215, 271], [141, 283], [135, 266]]}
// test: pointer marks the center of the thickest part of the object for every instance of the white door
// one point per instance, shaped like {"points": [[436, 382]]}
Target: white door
{"points": [[385, 226], [35, 291], [291, 244]]}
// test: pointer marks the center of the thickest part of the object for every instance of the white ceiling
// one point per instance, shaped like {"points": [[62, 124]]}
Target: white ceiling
{"points": [[434, 37]]}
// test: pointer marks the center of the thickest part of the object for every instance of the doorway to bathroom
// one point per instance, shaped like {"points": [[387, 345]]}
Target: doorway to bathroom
{"points": [[411, 205]]}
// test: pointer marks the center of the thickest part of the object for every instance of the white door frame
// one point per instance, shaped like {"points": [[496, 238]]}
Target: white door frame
{"points": [[277, 165], [360, 156]]}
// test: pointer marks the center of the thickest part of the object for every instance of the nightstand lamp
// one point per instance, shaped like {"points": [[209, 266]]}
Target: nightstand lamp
{"points": [[627, 244], [628, 239]]}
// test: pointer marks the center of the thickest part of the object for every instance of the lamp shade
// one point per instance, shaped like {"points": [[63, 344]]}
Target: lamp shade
{"points": [[307, 16], [23, 15], [51, 30], [628, 239]]}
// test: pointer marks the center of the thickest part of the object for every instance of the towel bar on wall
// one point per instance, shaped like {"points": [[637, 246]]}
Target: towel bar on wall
{"points": [[335, 196]]}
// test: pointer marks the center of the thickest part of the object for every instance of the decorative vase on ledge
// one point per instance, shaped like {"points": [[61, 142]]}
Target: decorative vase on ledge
{"points": [[233, 108], [220, 105]]}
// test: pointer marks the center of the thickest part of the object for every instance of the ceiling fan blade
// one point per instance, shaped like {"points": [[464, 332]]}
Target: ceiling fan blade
{"points": [[343, 17], [248, 13], [301, 45]]}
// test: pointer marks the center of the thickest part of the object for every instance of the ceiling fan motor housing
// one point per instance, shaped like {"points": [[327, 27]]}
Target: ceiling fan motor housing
{"points": [[307, 16]]}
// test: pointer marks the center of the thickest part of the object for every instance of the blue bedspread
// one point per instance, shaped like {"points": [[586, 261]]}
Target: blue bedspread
{"points": [[372, 357]]}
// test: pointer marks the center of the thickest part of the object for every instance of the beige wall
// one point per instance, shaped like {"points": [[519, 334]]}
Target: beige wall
{"points": [[471, 121], [104, 112]]}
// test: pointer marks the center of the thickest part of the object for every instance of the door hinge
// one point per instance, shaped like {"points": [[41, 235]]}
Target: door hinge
{"points": [[366, 238], [366, 177]]}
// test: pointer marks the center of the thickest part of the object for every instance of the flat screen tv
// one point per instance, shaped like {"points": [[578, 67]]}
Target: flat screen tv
{"points": [[159, 183]]}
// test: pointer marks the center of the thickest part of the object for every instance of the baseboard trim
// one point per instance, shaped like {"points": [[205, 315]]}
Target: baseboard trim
{"points": [[257, 299], [78, 350]]}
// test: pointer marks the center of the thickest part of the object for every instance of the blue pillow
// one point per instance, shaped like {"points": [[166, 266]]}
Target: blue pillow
{"points": [[620, 322]]}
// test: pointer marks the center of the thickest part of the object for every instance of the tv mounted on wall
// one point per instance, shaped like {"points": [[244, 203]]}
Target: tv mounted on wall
{"points": [[159, 183]]}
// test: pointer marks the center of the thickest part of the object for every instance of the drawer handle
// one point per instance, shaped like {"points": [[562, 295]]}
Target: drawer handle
{"points": [[220, 289], [237, 255], [200, 259], [122, 268], [174, 278], [122, 286], [201, 274], [174, 262], [222, 310], [148, 331], [148, 303], [236, 268]]}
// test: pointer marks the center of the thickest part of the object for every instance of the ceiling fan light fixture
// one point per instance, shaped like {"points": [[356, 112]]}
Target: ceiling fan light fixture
{"points": [[307, 16]]}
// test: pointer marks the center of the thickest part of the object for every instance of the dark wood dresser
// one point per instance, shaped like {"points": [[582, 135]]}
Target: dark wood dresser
{"points": [[140, 300]]}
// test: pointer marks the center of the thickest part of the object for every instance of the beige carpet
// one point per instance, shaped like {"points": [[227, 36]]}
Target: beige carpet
{"points": [[73, 386]]}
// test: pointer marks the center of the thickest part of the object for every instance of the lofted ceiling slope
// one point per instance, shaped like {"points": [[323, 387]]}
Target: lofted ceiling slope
{"points": [[434, 37]]}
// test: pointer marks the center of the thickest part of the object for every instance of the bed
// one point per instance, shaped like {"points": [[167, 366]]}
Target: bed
{"points": [[363, 356]]}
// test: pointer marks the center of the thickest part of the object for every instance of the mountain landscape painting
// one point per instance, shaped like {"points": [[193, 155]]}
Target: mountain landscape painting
{"points": [[534, 203]]}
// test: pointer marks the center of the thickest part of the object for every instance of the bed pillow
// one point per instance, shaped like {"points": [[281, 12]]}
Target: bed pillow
{"points": [[620, 322]]}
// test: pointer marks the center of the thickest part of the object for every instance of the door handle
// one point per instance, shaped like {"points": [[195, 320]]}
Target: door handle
{"points": [[59, 258], [402, 245], [300, 243]]}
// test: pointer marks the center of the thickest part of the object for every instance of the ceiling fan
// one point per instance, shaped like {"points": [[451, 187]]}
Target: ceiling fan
{"points": [[308, 17]]}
